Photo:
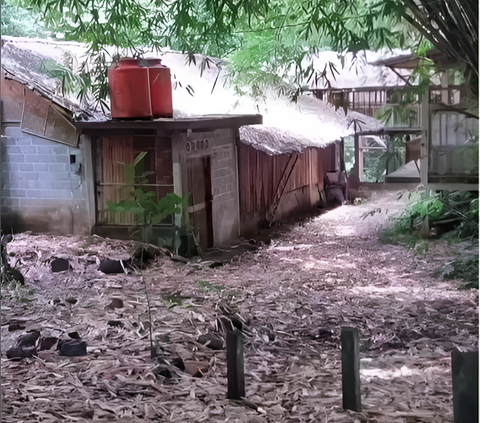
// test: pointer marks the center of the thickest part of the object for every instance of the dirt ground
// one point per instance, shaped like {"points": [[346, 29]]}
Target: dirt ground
{"points": [[291, 296]]}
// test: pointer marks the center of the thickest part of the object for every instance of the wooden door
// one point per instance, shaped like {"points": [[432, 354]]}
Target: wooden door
{"points": [[199, 187]]}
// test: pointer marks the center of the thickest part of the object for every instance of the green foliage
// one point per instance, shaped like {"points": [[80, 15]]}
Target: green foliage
{"points": [[71, 81], [149, 210], [266, 42], [465, 268], [19, 22], [460, 207], [17, 292]]}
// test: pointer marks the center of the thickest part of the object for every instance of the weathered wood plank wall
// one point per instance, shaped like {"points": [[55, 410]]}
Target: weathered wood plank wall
{"points": [[259, 175]]}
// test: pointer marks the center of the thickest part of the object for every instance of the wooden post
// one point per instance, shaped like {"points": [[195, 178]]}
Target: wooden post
{"points": [[465, 386], [351, 369], [235, 365]]}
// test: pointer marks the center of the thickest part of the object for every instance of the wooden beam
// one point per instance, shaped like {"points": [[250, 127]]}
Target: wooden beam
{"points": [[465, 386], [235, 365], [351, 369], [163, 125]]}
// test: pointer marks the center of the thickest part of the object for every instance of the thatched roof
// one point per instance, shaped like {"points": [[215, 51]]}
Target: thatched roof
{"points": [[287, 126]]}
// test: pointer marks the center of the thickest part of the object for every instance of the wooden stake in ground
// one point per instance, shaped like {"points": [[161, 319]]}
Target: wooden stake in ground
{"points": [[351, 369], [465, 386], [235, 365]]}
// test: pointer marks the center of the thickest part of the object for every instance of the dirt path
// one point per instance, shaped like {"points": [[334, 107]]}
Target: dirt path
{"points": [[292, 296]]}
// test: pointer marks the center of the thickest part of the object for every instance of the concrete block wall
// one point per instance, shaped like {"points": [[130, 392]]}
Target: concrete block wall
{"points": [[224, 166], [222, 151], [226, 215], [41, 189]]}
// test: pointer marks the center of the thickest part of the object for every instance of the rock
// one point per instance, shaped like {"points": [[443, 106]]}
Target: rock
{"points": [[196, 368], [108, 266], [162, 370], [28, 340], [212, 341], [47, 343], [21, 352], [15, 326], [116, 303], [72, 348], [74, 335], [60, 265], [178, 363]]}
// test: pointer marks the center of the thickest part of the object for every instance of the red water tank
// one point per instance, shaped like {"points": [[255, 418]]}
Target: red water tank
{"points": [[160, 88], [140, 89]]}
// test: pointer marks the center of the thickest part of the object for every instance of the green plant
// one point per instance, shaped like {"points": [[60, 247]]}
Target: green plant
{"points": [[465, 268], [17, 291], [143, 204], [149, 211]]}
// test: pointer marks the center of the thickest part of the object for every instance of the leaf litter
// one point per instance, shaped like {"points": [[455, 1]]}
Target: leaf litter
{"points": [[289, 296]]}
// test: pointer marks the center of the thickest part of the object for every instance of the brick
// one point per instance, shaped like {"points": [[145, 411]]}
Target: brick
{"points": [[40, 158], [10, 183], [57, 194], [58, 167], [6, 201], [16, 193], [45, 149], [13, 149], [42, 141], [55, 176], [26, 167], [26, 184], [7, 141], [14, 131], [60, 149], [10, 167], [16, 158], [28, 176], [28, 149], [40, 167], [62, 185], [62, 158], [33, 193], [36, 202]]}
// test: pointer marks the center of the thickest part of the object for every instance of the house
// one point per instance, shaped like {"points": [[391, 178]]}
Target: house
{"points": [[444, 147], [46, 176], [374, 90], [62, 162], [447, 150]]}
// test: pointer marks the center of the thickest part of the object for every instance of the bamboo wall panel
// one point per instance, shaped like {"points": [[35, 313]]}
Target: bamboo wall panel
{"points": [[117, 152], [154, 173]]}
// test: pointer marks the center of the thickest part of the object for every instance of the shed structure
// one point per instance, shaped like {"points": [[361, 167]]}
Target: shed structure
{"points": [[62, 163], [46, 174], [446, 145]]}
